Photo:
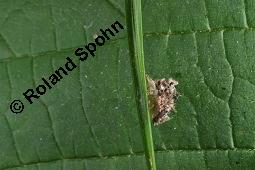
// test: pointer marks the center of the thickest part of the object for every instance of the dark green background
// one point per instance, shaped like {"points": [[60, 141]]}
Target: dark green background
{"points": [[89, 119]]}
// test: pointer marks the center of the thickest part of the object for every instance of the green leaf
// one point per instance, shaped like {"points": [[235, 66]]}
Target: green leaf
{"points": [[135, 37], [89, 119]]}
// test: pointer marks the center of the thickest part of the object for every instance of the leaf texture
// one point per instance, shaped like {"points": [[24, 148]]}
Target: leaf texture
{"points": [[89, 119]]}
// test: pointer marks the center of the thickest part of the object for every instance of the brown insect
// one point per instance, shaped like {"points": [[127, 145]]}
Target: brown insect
{"points": [[162, 96]]}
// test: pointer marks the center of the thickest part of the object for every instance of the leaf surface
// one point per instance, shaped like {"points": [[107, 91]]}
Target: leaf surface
{"points": [[89, 119]]}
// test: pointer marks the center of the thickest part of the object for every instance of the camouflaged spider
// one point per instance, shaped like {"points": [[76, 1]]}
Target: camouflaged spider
{"points": [[162, 96]]}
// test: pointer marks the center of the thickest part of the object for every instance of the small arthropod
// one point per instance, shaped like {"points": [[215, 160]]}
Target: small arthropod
{"points": [[162, 96]]}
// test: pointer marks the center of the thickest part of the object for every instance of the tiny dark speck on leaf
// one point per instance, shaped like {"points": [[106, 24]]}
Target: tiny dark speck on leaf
{"points": [[178, 75]]}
